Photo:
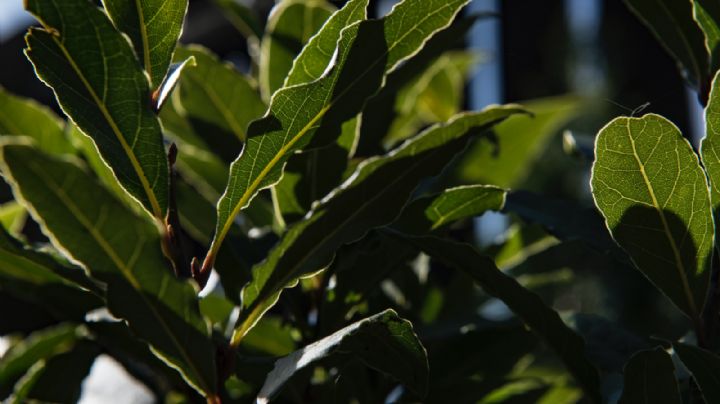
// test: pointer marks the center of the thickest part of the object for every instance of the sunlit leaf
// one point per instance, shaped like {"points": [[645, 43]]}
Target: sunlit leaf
{"points": [[154, 27], [100, 85], [648, 184], [119, 249], [365, 201], [384, 342]]}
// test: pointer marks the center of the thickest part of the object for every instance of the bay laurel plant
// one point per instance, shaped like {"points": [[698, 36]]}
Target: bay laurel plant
{"points": [[294, 232]]}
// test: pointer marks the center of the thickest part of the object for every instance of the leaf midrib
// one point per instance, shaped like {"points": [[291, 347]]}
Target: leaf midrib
{"points": [[145, 39], [157, 212], [113, 255], [251, 190], [328, 235], [679, 265]]}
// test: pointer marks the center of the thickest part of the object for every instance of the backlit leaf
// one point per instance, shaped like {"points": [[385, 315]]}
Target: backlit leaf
{"points": [[291, 25], [92, 70], [365, 201], [433, 212], [154, 27], [384, 342], [650, 188], [25, 117], [366, 52], [119, 249]]}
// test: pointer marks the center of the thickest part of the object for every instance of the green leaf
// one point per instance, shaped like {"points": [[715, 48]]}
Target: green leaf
{"points": [[172, 79], [25, 117], [291, 25], [705, 368], [12, 217], [435, 96], [358, 269], [59, 378], [312, 174], [519, 143], [650, 378], [649, 186], [35, 277], [543, 320], [429, 213], [384, 342], [563, 219], [315, 57], [272, 336], [380, 112], [242, 17], [99, 84], [154, 27], [37, 346], [710, 148], [672, 24], [707, 15], [218, 95], [492, 352], [366, 51], [119, 249], [365, 201]]}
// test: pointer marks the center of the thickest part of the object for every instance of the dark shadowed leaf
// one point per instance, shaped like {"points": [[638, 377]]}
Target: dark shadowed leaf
{"points": [[366, 52], [672, 24], [154, 27], [119, 249], [380, 111], [430, 213], [543, 320], [563, 219], [25, 117], [92, 70], [291, 25], [384, 342], [59, 378], [242, 17], [365, 201], [37, 278], [650, 378], [707, 15], [705, 368], [648, 184], [358, 269], [37, 346]]}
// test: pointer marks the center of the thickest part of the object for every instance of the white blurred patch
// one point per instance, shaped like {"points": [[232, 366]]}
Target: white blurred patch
{"points": [[13, 18], [4, 345], [108, 382]]}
